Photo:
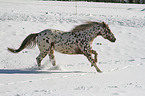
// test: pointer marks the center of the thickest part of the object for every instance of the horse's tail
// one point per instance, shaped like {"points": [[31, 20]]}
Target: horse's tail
{"points": [[29, 42]]}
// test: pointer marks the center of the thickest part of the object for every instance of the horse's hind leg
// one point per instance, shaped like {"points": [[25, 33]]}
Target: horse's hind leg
{"points": [[40, 57], [51, 57]]}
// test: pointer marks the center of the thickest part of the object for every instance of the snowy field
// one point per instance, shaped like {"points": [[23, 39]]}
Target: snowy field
{"points": [[122, 62]]}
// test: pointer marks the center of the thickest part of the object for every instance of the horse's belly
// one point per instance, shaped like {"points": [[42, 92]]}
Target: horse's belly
{"points": [[68, 49]]}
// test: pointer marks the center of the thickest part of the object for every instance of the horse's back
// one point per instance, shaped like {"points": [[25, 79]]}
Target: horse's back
{"points": [[48, 34]]}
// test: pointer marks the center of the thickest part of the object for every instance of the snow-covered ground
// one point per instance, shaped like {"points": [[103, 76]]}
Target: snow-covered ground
{"points": [[122, 62]]}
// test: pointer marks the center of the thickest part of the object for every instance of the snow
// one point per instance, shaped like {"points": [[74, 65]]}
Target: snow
{"points": [[122, 62]]}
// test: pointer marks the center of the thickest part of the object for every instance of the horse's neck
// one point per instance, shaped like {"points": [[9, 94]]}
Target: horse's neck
{"points": [[93, 32]]}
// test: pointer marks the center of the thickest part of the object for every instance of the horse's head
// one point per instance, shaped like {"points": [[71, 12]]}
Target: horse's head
{"points": [[106, 33]]}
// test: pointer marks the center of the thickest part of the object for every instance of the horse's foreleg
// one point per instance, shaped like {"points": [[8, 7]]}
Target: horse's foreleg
{"points": [[93, 62], [87, 51], [95, 57]]}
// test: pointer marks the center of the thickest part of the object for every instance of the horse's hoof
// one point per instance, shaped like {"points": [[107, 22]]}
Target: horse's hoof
{"points": [[99, 71], [39, 68]]}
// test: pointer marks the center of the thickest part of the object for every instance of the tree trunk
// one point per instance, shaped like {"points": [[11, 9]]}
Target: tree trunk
{"points": [[130, 1]]}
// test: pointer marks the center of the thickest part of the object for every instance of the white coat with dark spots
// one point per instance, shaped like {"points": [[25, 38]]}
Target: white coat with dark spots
{"points": [[77, 41]]}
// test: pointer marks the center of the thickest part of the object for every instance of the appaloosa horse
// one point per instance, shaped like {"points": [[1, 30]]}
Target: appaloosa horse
{"points": [[77, 41]]}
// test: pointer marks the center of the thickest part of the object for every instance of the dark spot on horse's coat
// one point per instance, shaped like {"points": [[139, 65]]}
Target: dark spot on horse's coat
{"points": [[75, 35], [66, 51], [55, 36], [98, 28], [94, 28], [67, 41], [47, 37], [47, 41], [72, 42], [80, 34], [52, 44], [45, 33]]}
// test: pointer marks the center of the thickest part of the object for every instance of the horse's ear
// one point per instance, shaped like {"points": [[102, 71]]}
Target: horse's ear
{"points": [[104, 24]]}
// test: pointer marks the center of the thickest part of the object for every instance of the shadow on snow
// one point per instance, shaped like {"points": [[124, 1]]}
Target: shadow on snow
{"points": [[18, 71]]}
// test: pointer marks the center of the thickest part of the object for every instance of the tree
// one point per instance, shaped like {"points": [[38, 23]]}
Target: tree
{"points": [[130, 1]]}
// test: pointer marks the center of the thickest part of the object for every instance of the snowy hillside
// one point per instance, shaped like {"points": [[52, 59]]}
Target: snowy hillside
{"points": [[122, 62]]}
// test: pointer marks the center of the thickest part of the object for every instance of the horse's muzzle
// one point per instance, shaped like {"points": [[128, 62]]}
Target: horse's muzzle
{"points": [[113, 40]]}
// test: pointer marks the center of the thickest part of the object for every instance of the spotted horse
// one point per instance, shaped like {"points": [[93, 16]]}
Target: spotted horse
{"points": [[77, 41]]}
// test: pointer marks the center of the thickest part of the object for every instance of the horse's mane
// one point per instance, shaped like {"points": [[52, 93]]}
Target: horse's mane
{"points": [[85, 26]]}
